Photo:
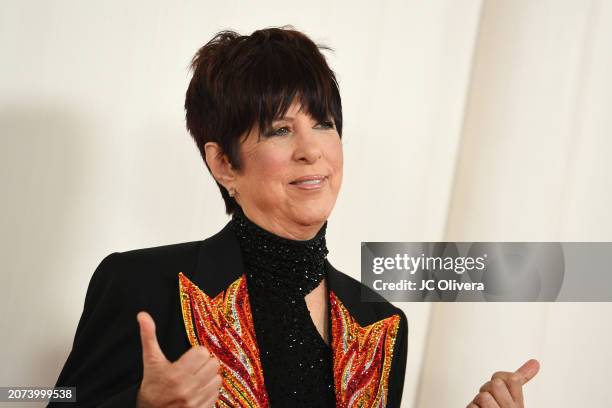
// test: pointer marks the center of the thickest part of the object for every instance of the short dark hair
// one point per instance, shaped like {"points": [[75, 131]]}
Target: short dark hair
{"points": [[241, 81]]}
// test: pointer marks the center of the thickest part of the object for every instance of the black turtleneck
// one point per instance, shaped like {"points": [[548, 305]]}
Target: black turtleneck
{"points": [[296, 362]]}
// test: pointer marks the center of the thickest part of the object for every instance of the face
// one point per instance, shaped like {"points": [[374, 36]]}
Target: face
{"points": [[290, 175]]}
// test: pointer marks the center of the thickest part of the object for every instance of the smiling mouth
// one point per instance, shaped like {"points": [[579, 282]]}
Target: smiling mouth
{"points": [[310, 183]]}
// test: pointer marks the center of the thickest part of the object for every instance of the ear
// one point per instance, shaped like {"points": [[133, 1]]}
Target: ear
{"points": [[219, 164]]}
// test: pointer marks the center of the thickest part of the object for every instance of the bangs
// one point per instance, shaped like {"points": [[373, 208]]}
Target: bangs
{"points": [[277, 78]]}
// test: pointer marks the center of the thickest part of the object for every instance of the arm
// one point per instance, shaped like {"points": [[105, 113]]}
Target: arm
{"points": [[105, 361]]}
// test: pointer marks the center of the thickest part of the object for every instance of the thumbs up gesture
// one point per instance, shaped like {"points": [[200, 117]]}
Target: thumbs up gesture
{"points": [[505, 390], [192, 381]]}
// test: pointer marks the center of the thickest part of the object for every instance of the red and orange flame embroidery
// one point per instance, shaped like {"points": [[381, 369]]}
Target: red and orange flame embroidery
{"points": [[362, 358], [224, 325]]}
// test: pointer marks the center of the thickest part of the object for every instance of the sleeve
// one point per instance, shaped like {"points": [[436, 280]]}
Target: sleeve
{"points": [[105, 363], [398, 366]]}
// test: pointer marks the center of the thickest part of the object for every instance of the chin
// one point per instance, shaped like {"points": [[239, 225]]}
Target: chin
{"points": [[312, 214]]}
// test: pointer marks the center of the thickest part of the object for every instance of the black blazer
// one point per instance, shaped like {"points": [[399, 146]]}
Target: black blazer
{"points": [[105, 363]]}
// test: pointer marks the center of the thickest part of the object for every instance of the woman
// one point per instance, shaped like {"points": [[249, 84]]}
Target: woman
{"points": [[255, 315], [282, 326]]}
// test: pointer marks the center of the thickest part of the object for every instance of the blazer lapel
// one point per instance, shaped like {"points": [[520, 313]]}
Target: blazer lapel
{"points": [[362, 345], [219, 262]]}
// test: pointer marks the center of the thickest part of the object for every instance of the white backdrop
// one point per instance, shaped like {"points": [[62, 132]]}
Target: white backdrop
{"points": [[534, 166], [469, 119]]}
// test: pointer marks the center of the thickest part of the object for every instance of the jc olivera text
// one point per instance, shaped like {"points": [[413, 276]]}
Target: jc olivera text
{"points": [[430, 284]]}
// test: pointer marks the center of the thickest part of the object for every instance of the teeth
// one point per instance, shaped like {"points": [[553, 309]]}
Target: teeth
{"points": [[308, 182]]}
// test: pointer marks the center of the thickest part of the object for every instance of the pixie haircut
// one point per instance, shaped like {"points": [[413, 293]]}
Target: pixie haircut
{"points": [[240, 82]]}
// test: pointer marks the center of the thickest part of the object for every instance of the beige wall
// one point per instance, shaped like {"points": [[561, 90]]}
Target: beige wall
{"points": [[534, 166], [474, 120]]}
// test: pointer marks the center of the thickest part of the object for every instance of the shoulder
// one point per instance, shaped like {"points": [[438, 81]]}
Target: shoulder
{"points": [[145, 273], [161, 258], [138, 274]]}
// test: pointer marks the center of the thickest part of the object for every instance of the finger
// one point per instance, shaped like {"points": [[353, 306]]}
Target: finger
{"points": [[472, 405], [514, 382], [213, 388], [528, 370], [485, 400], [499, 390], [193, 359], [205, 391], [208, 371], [151, 352], [502, 375]]}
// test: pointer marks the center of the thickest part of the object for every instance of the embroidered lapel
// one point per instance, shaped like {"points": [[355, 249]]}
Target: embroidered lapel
{"points": [[224, 325], [362, 357], [362, 345]]}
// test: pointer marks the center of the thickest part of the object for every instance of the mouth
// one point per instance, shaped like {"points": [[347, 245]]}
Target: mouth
{"points": [[309, 182]]}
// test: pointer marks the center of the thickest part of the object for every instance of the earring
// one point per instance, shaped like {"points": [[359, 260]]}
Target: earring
{"points": [[232, 191]]}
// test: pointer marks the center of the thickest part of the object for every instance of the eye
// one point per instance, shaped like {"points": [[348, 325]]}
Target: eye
{"points": [[278, 132]]}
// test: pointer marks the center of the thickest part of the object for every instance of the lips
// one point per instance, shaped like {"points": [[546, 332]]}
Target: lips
{"points": [[311, 179]]}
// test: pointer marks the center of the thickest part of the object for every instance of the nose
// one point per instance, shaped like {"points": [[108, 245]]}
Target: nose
{"points": [[308, 148]]}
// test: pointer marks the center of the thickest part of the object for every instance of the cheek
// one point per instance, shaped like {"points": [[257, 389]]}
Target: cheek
{"points": [[337, 160], [268, 166]]}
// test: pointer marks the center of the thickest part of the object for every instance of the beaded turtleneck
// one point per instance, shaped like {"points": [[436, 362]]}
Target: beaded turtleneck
{"points": [[297, 363]]}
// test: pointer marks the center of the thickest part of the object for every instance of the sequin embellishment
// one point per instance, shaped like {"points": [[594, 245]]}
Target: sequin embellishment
{"points": [[225, 327], [362, 358]]}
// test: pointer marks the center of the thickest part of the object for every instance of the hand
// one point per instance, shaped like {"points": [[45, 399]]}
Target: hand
{"points": [[191, 381], [505, 390]]}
